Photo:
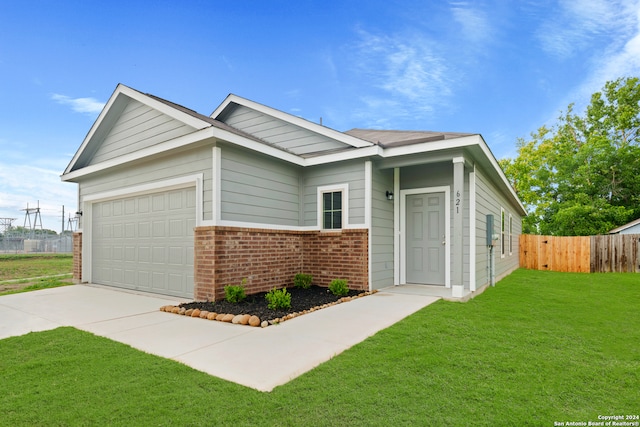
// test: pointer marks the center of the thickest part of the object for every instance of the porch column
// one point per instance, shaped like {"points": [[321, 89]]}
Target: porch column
{"points": [[457, 273]]}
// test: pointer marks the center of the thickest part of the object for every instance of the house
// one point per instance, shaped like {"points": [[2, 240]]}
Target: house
{"points": [[631, 228], [179, 203]]}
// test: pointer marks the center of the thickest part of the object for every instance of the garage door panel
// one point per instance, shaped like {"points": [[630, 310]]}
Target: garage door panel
{"points": [[159, 228], [146, 242], [117, 253], [129, 231], [143, 204], [158, 202], [159, 280], [144, 279], [144, 229], [129, 278], [159, 255]]}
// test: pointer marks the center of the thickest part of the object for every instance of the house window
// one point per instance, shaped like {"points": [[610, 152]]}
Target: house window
{"points": [[332, 210], [333, 206], [503, 242], [510, 235]]}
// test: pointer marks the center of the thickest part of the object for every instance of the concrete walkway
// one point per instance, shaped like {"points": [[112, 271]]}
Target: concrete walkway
{"points": [[242, 354]]}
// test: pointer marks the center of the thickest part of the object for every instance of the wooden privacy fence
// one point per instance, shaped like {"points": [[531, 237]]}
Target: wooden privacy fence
{"points": [[582, 254]]}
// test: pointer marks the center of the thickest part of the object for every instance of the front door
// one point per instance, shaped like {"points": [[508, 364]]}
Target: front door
{"points": [[425, 238]]}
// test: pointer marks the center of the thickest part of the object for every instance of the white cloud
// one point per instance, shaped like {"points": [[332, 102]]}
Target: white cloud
{"points": [[618, 57], [409, 73], [23, 184], [474, 22], [578, 25], [80, 105]]}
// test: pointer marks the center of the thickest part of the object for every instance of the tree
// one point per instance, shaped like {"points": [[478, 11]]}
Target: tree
{"points": [[582, 176]]}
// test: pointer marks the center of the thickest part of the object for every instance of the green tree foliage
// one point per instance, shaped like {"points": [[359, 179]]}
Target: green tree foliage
{"points": [[582, 176]]}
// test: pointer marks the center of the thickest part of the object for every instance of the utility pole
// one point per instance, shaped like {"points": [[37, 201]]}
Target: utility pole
{"points": [[62, 221], [5, 224]]}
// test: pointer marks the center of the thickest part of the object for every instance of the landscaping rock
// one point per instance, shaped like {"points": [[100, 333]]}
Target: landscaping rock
{"points": [[228, 318], [212, 316], [254, 321], [245, 319], [175, 310], [264, 324], [203, 314], [219, 317], [236, 319], [182, 310]]}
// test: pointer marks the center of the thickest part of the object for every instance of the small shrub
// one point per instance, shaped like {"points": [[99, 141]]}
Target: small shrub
{"points": [[278, 298], [235, 293], [302, 280], [339, 287]]}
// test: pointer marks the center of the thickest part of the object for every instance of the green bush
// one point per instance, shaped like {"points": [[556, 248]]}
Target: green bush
{"points": [[302, 280], [278, 298], [235, 293], [339, 287]]}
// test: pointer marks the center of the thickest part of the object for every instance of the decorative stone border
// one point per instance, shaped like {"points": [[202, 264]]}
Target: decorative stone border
{"points": [[247, 319]]}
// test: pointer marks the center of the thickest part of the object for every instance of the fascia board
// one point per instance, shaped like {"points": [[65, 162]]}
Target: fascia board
{"points": [[349, 155], [200, 135], [224, 135], [147, 152], [298, 121], [167, 109], [94, 127], [487, 152]]}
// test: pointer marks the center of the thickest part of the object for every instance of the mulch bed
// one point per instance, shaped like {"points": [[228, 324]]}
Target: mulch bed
{"points": [[302, 300]]}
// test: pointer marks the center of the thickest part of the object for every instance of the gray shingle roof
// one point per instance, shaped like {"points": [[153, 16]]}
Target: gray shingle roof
{"points": [[396, 138]]}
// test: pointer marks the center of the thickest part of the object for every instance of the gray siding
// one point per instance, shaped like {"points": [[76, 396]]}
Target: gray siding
{"points": [[634, 229], [259, 189], [381, 229], [278, 132], [178, 165], [351, 173], [138, 127], [438, 175], [489, 201]]}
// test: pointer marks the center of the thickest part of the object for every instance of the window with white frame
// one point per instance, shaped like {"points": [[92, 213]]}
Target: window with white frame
{"points": [[332, 207], [510, 235], [503, 243]]}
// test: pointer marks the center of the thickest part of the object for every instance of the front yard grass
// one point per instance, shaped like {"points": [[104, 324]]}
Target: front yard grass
{"points": [[22, 266], [538, 348]]}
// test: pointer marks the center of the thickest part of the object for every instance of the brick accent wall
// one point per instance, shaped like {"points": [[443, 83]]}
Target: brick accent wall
{"points": [[77, 257], [337, 255], [268, 258]]}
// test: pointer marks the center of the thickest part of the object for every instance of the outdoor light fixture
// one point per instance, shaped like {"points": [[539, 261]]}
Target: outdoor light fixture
{"points": [[79, 213], [389, 195]]}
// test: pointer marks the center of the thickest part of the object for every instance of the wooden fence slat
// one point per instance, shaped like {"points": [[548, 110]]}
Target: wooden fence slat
{"points": [[583, 254]]}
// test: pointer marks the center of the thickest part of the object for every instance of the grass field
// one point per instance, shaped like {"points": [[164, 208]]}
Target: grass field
{"points": [[17, 272], [538, 348]]}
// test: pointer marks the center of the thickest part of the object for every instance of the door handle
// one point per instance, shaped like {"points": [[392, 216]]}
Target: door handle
{"points": [[443, 242]]}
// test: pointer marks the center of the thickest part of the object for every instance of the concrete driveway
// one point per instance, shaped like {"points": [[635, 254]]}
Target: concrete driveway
{"points": [[221, 349]]}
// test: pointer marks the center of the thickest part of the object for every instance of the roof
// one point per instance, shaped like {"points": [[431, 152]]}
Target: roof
{"points": [[624, 227], [297, 140], [398, 138]]}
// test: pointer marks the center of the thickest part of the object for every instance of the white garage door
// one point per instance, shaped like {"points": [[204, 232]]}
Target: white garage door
{"points": [[145, 242]]}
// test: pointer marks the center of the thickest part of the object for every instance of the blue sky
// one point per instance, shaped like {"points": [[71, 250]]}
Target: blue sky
{"points": [[495, 67]]}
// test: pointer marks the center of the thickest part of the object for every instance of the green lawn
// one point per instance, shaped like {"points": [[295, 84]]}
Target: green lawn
{"points": [[17, 272], [37, 265], [538, 348]]}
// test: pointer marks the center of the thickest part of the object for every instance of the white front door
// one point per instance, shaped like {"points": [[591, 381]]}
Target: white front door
{"points": [[425, 238]]}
